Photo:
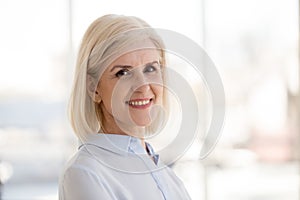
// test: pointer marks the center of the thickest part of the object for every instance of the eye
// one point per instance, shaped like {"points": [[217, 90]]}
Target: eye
{"points": [[150, 68], [123, 72]]}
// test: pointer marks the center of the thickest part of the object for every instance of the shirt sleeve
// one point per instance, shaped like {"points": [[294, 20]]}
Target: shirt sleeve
{"points": [[83, 184]]}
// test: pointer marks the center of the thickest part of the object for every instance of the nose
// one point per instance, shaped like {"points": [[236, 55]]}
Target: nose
{"points": [[143, 89], [140, 83]]}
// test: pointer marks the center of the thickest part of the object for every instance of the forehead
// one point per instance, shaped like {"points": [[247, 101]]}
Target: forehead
{"points": [[138, 57]]}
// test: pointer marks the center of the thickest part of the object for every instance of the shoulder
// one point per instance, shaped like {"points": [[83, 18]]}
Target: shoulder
{"points": [[79, 168], [79, 183], [82, 179], [90, 157], [82, 162]]}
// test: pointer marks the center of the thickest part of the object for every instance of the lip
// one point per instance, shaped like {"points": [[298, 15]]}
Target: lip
{"points": [[140, 106]]}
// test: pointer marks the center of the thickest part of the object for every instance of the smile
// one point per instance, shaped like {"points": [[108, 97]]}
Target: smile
{"points": [[140, 103]]}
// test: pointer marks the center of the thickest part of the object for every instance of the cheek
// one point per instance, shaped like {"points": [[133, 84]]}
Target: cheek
{"points": [[158, 92], [106, 95], [114, 97]]}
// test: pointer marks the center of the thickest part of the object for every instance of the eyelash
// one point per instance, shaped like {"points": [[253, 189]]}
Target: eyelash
{"points": [[152, 67], [121, 72]]}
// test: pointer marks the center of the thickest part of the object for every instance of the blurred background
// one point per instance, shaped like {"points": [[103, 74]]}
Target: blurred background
{"points": [[253, 43]]}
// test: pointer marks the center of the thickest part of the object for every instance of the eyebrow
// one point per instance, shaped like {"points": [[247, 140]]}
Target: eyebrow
{"points": [[129, 66], [120, 66]]}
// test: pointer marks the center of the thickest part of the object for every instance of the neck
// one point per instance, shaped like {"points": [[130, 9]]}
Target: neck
{"points": [[109, 126]]}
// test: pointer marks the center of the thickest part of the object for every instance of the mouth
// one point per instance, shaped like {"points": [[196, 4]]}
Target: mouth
{"points": [[140, 103]]}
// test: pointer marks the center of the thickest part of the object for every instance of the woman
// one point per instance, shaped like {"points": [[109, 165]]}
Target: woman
{"points": [[117, 101]]}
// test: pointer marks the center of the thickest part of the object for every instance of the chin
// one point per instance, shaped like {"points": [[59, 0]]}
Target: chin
{"points": [[141, 119], [142, 122]]}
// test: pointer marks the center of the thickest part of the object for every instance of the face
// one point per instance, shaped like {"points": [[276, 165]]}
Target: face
{"points": [[129, 90]]}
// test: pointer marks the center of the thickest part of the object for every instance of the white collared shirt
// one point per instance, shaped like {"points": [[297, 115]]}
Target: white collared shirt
{"points": [[117, 167]]}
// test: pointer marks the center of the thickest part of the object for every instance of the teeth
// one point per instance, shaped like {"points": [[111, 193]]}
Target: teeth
{"points": [[139, 103]]}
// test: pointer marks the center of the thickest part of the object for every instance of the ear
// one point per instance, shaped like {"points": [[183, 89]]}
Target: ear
{"points": [[92, 89]]}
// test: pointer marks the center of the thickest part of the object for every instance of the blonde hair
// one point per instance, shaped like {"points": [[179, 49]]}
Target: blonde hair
{"points": [[106, 38]]}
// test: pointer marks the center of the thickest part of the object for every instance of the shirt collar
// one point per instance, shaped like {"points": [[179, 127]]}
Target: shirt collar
{"points": [[121, 144]]}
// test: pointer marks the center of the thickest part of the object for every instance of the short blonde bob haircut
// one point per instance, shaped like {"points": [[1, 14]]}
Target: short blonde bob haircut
{"points": [[106, 38]]}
